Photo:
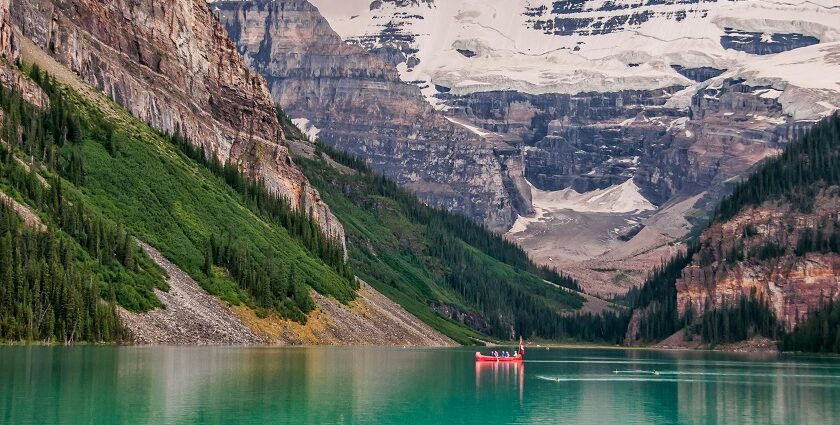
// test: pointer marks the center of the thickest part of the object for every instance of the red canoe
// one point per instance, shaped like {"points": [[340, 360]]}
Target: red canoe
{"points": [[516, 357], [482, 358]]}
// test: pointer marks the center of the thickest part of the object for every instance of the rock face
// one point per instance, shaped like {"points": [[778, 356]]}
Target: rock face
{"points": [[759, 43], [590, 141], [8, 44], [679, 96], [171, 64], [359, 104], [674, 149], [10, 75], [741, 256]]}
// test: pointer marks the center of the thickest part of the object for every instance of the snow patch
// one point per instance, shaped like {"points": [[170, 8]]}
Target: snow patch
{"points": [[513, 53], [307, 128], [478, 131], [616, 199], [621, 198]]}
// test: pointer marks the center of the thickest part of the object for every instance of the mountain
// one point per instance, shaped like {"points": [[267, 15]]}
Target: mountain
{"points": [[150, 192], [174, 67], [240, 251], [771, 255], [440, 265], [355, 101], [680, 96]]}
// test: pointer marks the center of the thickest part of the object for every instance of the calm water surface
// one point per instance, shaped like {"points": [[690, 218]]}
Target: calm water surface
{"points": [[379, 385]]}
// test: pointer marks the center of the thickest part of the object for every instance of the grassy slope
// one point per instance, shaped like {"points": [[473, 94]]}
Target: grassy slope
{"points": [[174, 204], [388, 250], [390, 272]]}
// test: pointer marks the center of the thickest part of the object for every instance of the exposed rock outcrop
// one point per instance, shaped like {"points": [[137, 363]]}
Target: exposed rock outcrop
{"points": [[754, 253], [8, 42], [29, 217], [359, 104], [171, 64]]}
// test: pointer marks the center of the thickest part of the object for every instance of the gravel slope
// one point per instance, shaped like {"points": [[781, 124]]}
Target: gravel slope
{"points": [[372, 319], [191, 317]]}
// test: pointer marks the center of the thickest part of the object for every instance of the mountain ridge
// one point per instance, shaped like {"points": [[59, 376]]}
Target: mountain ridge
{"points": [[358, 103], [175, 68], [682, 97]]}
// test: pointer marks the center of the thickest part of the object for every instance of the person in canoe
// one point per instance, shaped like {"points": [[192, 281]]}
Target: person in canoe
{"points": [[504, 356]]}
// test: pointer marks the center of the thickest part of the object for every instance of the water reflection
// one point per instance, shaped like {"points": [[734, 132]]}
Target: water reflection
{"points": [[376, 385], [498, 374]]}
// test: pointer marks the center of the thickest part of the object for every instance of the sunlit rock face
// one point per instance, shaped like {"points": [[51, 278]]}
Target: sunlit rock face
{"points": [[8, 44], [171, 64], [792, 284], [359, 104]]}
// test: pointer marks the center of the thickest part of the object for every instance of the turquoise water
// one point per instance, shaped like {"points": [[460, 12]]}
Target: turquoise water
{"points": [[379, 385]]}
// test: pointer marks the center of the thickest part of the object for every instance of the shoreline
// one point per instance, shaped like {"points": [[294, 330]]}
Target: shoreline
{"points": [[546, 346]]}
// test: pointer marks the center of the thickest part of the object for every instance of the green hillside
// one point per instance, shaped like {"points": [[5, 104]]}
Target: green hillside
{"points": [[435, 263], [111, 178], [121, 178]]}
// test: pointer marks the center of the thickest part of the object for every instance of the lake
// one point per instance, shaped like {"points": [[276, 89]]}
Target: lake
{"points": [[384, 385]]}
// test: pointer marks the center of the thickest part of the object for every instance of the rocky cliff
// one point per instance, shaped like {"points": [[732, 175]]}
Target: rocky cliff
{"points": [[761, 250], [171, 64], [592, 140], [8, 44], [356, 101], [10, 75], [680, 149]]}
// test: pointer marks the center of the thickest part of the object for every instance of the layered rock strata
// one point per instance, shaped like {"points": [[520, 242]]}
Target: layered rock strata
{"points": [[357, 103], [8, 43], [171, 64], [755, 253]]}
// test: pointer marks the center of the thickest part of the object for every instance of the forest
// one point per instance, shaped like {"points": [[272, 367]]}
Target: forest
{"points": [[99, 180], [45, 289], [748, 317], [808, 167], [819, 332]]}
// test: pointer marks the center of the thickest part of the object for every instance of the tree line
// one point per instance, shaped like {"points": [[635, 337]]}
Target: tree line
{"points": [[46, 293], [657, 298], [274, 285], [298, 221]]}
